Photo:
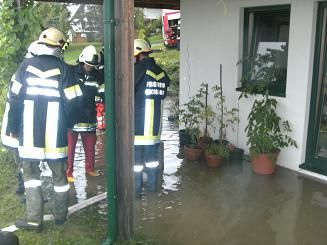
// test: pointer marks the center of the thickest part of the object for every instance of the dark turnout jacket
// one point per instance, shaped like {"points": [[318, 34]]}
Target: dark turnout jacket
{"points": [[85, 120], [40, 100], [151, 84]]}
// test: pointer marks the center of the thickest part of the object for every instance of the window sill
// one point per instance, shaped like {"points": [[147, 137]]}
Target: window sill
{"points": [[271, 93], [308, 167]]}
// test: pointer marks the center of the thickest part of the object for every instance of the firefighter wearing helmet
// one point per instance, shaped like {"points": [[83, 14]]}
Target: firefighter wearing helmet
{"points": [[12, 143], [41, 96], [150, 89], [90, 79]]}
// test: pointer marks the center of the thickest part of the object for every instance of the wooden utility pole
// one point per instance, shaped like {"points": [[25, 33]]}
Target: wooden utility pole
{"points": [[119, 80], [19, 3], [124, 12]]}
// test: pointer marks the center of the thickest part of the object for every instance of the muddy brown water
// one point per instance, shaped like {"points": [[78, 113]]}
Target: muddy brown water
{"points": [[228, 205]]}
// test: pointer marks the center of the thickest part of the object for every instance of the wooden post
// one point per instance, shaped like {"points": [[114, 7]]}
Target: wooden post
{"points": [[124, 12], [19, 3]]}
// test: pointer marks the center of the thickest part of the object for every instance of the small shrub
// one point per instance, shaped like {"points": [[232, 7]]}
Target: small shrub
{"points": [[221, 150]]}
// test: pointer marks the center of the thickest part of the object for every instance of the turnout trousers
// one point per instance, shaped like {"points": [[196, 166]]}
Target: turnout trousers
{"points": [[146, 160], [34, 196], [89, 140]]}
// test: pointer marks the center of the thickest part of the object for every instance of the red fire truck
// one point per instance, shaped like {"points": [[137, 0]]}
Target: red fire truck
{"points": [[171, 27]]}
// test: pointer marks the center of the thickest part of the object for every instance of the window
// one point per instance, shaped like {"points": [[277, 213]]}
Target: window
{"points": [[265, 47]]}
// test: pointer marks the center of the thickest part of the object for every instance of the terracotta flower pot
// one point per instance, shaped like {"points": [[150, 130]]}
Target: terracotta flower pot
{"points": [[213, 161], [192, 153], [264, 164], [204, 141]]}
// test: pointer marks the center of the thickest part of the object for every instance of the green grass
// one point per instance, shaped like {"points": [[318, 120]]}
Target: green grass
{"points": [[88, 226], [156, 38], [74, 50], [165, 55], [10, 205], [85, 227]]}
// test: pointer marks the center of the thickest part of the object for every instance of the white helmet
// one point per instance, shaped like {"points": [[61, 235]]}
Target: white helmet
{"points": [[141, 46], [89, 56], [52, 36], [33, 49]]}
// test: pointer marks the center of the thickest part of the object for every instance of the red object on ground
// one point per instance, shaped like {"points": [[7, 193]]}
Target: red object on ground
{"points": [[101, 112]]}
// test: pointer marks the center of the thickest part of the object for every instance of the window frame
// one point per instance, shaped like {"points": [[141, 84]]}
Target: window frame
{"points": [[248, 45]]}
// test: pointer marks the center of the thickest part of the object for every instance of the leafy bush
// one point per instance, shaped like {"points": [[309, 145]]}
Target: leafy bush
{"points": [[190, 117], [169, 61], [221, 150], [266, 131], [18, 29]]}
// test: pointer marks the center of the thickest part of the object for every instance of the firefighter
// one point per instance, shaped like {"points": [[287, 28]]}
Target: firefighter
{"points": [[10, 142], [90, 79], [41, 100], [150, 88]]}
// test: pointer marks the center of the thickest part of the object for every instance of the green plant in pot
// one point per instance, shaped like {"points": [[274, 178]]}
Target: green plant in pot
{"points": [[266, 132], [227, 118], [189, 115], [207, 115], [215, 154]]}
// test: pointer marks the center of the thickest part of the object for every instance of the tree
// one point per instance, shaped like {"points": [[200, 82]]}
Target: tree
{"points": [[143, 27], [151, 26], [89, 18], [94, 16], [139, 25], [19, 27], [54, 15]]}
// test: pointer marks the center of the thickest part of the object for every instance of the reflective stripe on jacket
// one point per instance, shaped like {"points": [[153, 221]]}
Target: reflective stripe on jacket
{"points": [[6, 139], [41, 98], [86, 120], [151, 84]]}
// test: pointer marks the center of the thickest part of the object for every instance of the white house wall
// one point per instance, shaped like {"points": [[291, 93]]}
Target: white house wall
{"points": [[211, 36]]}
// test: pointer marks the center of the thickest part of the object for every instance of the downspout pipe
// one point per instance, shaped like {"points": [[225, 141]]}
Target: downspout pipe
{"points": [[110, 136]]}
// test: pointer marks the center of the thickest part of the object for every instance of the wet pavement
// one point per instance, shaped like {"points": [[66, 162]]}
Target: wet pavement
{"points": [[86, 186], [227, 205], [230, 205]]}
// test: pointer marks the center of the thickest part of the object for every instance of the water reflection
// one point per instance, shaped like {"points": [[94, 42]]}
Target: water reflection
{"points": [[85, 186], [230, 205]]}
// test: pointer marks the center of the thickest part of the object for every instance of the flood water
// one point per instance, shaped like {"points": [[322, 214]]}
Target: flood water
{"points": [[86, 186], [227, 205]]}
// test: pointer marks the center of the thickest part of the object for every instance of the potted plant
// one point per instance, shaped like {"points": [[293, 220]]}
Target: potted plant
{"points": [[207, 115], [227, 118], [215, 154], [190, 117], [267, 133]]}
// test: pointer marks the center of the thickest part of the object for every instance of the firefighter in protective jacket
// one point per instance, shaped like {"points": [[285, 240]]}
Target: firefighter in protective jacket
{"points": [[40, 97], [150, 86], [86, 122], [10, 142]]}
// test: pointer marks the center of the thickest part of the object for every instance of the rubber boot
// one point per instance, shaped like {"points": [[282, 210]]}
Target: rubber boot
{"points": [[152, 184], [20, 188], [30, 226], [138, 176]]}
